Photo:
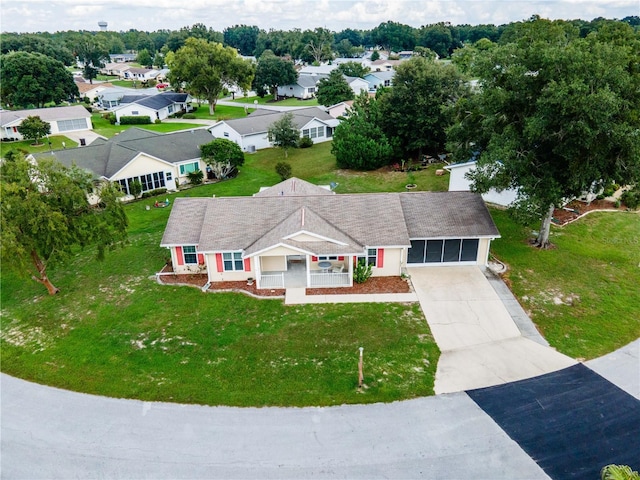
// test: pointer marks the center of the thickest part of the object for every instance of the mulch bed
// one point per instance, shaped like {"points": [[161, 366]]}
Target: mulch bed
{"points": [[561, 216], [372, 286]]}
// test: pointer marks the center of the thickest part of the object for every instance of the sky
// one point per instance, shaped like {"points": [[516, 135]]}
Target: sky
{"points": [[335, 15]]}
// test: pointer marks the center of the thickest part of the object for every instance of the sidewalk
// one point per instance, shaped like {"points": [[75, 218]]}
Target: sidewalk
{"points": [[297, 296]]}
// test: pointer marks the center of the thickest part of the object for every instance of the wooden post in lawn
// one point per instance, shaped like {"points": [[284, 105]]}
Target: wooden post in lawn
{"points": [[360, 374]]}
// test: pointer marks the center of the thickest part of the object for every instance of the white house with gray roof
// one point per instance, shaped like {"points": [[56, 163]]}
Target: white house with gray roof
{"points": [[155, 160], [61, 119], [156, 107], [251, 132], [295, 234]]}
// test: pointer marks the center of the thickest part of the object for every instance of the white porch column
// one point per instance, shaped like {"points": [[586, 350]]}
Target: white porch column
{"points": [[257, 267]]}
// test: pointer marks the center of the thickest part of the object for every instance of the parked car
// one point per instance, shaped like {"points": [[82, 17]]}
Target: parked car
{"points": [[162, 85]]}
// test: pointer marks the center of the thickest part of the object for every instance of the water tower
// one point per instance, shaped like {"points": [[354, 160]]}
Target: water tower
{"points": [[103, 26]]}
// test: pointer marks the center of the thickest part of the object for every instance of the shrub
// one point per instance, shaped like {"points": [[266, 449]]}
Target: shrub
{"points": [[137, 120], [283, 169], [135, 188], [362, 272], [631, 198], [305, 142], [111, 117], [189, 116], [153, 193], [195, 177]]}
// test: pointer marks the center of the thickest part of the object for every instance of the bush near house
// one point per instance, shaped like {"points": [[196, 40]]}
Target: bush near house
{"points": [[143, 120]]}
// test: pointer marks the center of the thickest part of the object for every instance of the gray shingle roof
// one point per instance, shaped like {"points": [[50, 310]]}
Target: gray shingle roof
{"points": [[156, 102], [344, 224], [45, 114], [293, 186], [260, 120], [106, 158], [447, 215]]}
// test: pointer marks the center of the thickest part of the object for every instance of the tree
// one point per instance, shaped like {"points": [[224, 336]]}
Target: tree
{"points": [[144, 58], [242, 37], [33, 79], [272, 72], [353, 69], [556, 116], [358, 141], [316, 45], [283, 169], [375, 56], [46, 216], [92, 54], [394, 36], [34, 128], [334, 89], [205, 68], [223, 156], [283, 133], [415, 111]]}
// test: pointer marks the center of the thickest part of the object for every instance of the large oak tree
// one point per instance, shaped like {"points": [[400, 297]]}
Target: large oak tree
{"points": [[555, 116], [46, 216], [204, 69]]}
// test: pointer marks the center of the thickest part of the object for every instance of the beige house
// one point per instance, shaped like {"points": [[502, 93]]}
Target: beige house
{"points": [[296, 234]]}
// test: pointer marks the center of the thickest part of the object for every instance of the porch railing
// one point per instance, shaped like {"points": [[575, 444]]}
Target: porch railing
{"points": [[330, 279], [275, 280]]}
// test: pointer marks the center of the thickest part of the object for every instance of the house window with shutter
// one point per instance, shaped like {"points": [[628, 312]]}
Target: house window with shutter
{"points": [[232, 261], [190, 256]]}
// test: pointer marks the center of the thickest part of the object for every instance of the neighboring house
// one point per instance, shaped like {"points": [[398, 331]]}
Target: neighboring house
{"points": [[61, 119], [299, 235], [306, 87], [115, 69], [110, 97], [381, 65], [340, 109], [155, 160], [380, 79], [91, 90], [156, 107], [324, 70], [357, 84], [459, 183], [251, 132], [142, 74], [123, 57]]}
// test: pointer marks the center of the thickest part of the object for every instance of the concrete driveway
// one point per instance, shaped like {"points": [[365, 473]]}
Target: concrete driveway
{"points": [[481, 344]]}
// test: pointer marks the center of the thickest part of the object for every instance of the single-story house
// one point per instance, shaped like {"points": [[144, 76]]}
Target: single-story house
{"points": [[299, 235], [156, 107], [156, 160], [380, 79], [306, 87], [251, 132], [340, 109], [142, 74], [91, 90], [458, 182], [324, 70], [110, 97], [357, 84], [123, 57], [61, 119], [115, 68], [382, 65]]}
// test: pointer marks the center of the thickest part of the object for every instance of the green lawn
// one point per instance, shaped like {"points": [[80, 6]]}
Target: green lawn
{"points": [[223, 112], [26, 146], [268, 99], [582, 294], [104, 128]]}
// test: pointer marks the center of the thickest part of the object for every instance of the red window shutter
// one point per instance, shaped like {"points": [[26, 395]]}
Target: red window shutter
{"points": [[314, 259], [179, 256], [380, 257], [201, 259], [219, 265], [247, 264], [340, 259], [355, 260]]}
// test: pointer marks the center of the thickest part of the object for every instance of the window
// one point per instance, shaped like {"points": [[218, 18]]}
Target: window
{"points": [[189, 167], [371, 258], [332, 257], [189, 252], [170, 108], [149, 182], [305, 132], [168, 176], [75, 124], [135, 112], [226, 134], [443, 251], [232, 261]]}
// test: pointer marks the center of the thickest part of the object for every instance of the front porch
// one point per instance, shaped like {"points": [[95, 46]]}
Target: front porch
{"points": [[297, 275]]}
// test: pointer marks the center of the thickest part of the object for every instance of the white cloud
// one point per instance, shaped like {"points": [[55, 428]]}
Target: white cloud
{"points": [[149, 15]]}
